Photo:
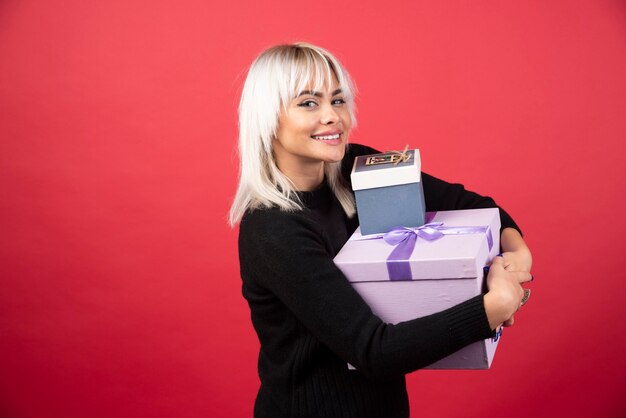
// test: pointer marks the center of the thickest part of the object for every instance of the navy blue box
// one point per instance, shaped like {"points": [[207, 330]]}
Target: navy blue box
{"points": [[389, 192]]}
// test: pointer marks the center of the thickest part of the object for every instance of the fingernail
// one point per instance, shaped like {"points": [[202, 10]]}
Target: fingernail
{"points": [[499, 255]]}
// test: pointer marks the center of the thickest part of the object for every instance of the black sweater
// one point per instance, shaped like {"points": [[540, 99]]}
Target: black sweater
{"points": [[310, 321]]}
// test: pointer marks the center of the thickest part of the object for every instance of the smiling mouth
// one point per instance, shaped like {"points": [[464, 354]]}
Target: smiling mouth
{"points": [[326, 137]]}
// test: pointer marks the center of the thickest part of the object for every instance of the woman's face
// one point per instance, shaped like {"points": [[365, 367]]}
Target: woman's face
{"points": [[313, 128]]}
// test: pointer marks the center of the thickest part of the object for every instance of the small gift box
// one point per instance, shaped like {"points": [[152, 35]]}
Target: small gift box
{"points": [[413, 272], [388, 189]]}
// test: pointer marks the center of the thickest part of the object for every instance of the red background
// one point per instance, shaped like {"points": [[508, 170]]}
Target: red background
{"points": [[120, 294]]}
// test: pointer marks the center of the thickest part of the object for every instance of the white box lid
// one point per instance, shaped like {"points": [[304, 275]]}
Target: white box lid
{"points": [[368, 174]]}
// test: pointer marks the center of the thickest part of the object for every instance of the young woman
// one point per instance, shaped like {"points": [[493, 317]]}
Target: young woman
{"points": [[296, 209]]}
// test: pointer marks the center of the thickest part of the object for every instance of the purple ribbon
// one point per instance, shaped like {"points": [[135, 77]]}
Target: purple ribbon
{"points": [[398, 265]]}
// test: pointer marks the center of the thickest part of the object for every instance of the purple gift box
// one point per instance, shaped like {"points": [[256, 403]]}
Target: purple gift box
{"points": [[413, 272]]}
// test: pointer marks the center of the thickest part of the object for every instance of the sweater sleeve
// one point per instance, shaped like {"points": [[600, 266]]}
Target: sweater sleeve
{"points": [[285, 254], [439, 194]]}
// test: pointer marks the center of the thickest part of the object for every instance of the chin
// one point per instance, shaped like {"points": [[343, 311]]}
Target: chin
{"points": [[334, 160], [335, 156]]}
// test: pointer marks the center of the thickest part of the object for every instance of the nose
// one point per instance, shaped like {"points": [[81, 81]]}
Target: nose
{"points": [[329, 115]]}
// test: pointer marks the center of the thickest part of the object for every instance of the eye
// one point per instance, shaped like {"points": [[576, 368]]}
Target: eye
{"points": [[339, 101], [308, 103]]}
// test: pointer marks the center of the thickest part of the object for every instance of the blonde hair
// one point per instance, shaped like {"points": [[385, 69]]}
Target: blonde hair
{"points": [[276, 76]]}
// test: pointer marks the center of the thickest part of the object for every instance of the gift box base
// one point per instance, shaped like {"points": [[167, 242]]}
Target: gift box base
{"points": [[431, 299], [382, 208]]}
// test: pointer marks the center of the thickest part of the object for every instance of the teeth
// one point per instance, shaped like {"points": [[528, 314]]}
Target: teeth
{"points": [[326, 137]]}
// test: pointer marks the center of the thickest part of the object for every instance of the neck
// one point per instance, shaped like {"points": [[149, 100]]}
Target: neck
{"points": [[305, 177]]}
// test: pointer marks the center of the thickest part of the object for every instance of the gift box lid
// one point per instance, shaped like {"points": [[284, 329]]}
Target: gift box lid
{"points": [[386, 169], [463, 255]]}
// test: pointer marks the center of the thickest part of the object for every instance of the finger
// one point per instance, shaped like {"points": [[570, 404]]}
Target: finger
{"points": [[508, 264], [494, 259], [496, 262], [522, 276]]}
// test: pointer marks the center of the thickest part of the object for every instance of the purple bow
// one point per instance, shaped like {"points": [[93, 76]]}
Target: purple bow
{"points": [[404, 239]]}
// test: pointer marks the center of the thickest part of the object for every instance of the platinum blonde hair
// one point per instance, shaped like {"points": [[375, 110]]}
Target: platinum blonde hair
{"points": [[276, 77]]}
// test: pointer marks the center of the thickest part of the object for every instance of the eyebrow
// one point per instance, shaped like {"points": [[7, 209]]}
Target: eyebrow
{"points": [[317, 93]]}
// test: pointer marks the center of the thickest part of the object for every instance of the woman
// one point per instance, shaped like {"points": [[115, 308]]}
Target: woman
{"points": [[296, 209]]}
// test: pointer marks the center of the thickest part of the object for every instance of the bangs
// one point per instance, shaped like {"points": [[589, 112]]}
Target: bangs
{"points": [[312, 70]]}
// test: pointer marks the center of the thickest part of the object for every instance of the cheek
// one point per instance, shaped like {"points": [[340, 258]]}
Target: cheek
{"points": [[347, 121], [287, 127], [298, 125], [291, 134]]}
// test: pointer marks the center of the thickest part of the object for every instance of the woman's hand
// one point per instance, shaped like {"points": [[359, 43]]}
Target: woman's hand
{"points": [[505, 293], [517, 256]]}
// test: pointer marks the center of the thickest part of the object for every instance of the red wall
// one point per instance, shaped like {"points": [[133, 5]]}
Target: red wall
{"points": [[120, 294]]}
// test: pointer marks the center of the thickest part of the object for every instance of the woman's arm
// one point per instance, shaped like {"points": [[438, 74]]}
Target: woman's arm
{"points": [[441, 195], [283, 253]]}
